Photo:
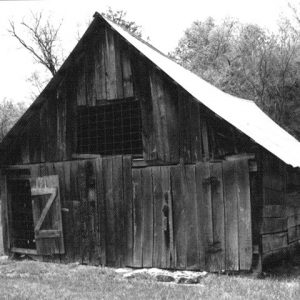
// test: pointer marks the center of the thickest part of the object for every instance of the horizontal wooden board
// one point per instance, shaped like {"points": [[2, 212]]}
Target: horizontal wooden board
{"points": [[272, 225], [293, 234], [274, 211], [293, 199], [274, 197], [292, 210], [293, 221], [271, 242]]}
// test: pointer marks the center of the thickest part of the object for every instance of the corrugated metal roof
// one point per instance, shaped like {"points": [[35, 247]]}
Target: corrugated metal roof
{"points": [[243, 114]]}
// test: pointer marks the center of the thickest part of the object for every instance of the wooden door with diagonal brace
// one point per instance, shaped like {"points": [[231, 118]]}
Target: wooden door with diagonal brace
{"points": [[47, 215]]}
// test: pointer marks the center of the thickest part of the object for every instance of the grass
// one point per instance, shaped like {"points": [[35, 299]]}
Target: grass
{"points": [[1, 241], [36, 280]]}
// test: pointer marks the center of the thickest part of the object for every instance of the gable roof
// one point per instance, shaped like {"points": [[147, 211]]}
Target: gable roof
{"points": [[243, 114]]}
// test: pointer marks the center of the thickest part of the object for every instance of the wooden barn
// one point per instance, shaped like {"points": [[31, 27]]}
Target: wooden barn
{"points": [[128, 159]]}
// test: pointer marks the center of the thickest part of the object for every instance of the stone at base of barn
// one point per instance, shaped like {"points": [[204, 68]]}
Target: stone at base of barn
{"points": [[186, 277]]}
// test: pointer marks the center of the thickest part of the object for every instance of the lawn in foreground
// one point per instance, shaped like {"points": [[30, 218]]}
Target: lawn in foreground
{"points": [[36, 280]]}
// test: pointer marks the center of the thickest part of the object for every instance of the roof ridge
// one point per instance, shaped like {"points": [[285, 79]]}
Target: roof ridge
{"points": [[97, 14]]}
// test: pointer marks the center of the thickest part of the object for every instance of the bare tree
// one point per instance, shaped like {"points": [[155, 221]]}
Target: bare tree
{"points": [[37, 81], [42, 40]]}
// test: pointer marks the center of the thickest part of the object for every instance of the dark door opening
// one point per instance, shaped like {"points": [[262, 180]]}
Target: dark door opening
{"points": [[22, 228]]}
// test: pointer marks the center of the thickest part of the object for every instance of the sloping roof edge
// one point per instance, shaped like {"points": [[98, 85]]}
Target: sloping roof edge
{"points": [[241, 113]]}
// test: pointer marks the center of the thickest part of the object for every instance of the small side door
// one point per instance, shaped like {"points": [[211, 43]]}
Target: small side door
{"points": [[47, 217]]}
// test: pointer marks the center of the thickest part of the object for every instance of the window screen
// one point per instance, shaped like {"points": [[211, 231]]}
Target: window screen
{"points": [[110, 129]]}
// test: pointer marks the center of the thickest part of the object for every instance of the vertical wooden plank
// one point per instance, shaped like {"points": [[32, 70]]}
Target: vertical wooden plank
{"points": [[142, 91], [50, 168], [80, 86], [244, 213], [119, 76], [159, 116], [99, 58], [93, 242], [205, 234], [110, 212], [61, 124], [43, 128], [33, 132], [191, 218], [34, 170], [171, 111], [168, 256], [188, 128], [101, 210], [127, 72], [196, 147], [217, 249], [137, 218], [90, 72], [117, 192], [67, 214], [204, 134], [75, 198], [4, 214], [46, 246], [25, 148], [184, 127], [147, 233], [179, 217], [128, 209], [166, 186], [57, 216], [110, 65], [84, 211], [231, 217], [164, 228], [71, 112], [51, 113], [58, 169], [159, 220], [165, 107]]}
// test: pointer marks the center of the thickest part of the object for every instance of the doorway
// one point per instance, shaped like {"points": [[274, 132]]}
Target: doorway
{"points": [[22, 227]]}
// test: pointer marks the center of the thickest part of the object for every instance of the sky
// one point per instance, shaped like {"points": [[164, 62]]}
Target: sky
{"points": [[164, 21]]}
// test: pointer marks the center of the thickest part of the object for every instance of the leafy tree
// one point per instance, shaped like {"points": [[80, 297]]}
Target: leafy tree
{"points": [[10, 112], [247, 61], [119, 17]]}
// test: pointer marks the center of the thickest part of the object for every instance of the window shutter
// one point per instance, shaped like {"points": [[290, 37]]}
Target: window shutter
{"points": [[47, 217]]}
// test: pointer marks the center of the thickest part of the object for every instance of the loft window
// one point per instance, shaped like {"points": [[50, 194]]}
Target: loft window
{"points": [[110, 129]]}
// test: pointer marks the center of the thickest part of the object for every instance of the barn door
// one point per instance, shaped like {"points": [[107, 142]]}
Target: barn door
{"points": [[47, 215]]}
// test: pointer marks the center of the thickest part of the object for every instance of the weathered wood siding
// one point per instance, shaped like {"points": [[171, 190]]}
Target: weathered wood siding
{"points": [[107, 68], [279, 226], [193, 216]]}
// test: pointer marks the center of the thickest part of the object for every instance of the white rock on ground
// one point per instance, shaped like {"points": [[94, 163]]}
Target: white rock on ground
{"points": [[188, 277]]}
